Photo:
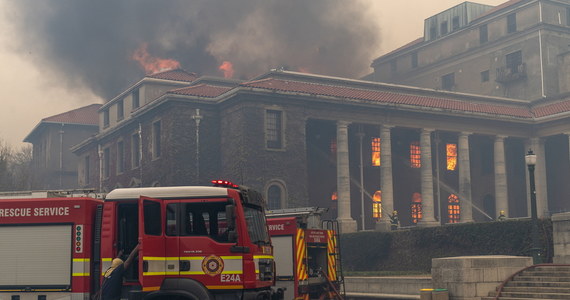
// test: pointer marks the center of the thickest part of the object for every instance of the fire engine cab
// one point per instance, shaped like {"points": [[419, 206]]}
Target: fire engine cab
{"points": [[196, 242]]}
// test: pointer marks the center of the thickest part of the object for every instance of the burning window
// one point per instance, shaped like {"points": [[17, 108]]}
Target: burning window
{"points": [[377, 205], [416, 207], [453, 209], [376, 152], [334, 196], [415, 155], [451, 150], [274, 129]]}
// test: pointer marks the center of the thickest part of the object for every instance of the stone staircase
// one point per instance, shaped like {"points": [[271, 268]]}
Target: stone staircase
{"points": [[536, 282]]}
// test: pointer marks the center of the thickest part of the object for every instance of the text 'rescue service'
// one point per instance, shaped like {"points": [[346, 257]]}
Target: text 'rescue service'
{"points": [[34, 212]]}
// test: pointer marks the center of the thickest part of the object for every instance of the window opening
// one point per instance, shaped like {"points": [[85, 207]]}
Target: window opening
{"points": [[453, 209], [107, 162], [152, 220], [448, 81], [375, 151], [485, 76], [198, 219], [120, 157], [106, 118], [483, 34], [512, 23], [414, 60], [377, 205], [274, 197], [451, 150], [156, 149], [136, 99], [415, 155], [120, 109], [443, 28], [274, 129], [455, 23], [514, 62], [416, 207], [334, 196], [135, 150]]}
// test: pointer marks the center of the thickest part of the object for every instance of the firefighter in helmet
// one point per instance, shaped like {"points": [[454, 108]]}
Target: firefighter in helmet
{"points": [[394, 220], [502, 216]]}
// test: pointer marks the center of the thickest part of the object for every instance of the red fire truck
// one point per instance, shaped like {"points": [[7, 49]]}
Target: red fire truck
{"points": [[307, 257], [195, 243]]}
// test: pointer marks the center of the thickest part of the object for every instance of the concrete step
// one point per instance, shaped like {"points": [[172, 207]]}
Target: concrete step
{"points": [[536, 289], [551, 273], [535, 295], [553, 268], [510, 298], [541, 278], [538, 284]]}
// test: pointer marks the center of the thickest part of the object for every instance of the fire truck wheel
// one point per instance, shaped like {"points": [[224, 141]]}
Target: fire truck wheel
{"points": [[186, 287]]}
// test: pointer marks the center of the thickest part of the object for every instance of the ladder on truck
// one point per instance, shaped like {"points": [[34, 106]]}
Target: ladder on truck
{"points": [[333, 225]]}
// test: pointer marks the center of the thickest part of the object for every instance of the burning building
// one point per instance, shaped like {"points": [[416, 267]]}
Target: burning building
{"points": [[359, 148]]}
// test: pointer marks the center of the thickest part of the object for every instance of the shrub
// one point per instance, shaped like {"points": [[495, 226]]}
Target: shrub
{"points": [[413, 249]]}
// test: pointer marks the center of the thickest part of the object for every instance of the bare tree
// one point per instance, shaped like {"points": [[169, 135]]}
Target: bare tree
{"points": [[15, 167]]}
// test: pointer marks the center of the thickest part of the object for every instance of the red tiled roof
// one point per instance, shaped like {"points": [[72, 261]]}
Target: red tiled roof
{"points": [[388, 97], [201, 90], [551, 108], [177, 75], [87, 115]]}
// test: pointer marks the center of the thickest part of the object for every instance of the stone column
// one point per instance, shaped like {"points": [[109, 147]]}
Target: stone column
{"points": [[346, 222], [537, 146], [465, 178], [386, 183], [501, 193], [428, 207]]}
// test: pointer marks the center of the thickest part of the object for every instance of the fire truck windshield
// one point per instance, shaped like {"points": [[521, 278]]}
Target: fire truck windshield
{"points": [[256, 224]]}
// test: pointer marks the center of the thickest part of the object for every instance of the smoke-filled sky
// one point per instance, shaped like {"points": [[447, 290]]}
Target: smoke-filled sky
{"points": [[58, 55]]}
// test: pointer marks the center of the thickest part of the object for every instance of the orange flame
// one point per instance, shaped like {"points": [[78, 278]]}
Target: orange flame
{"points": [[152, 64], [228, 69], [451, 150]]}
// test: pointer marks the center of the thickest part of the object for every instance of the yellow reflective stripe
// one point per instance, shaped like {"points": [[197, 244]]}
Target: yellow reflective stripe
{"points": [[153, 258], [106, 259], [232, 272], [151, 288], [224, 287], [80, 274], [231, 257], [153, 273], [81, 259], [192, 273], [263, 256], [192, 258]]}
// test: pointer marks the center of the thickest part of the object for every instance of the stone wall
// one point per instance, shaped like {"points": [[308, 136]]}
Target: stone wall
{"points": [[473, 277], [561, 238]]}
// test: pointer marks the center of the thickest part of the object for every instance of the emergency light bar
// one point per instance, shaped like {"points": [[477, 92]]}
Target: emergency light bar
{"points": [[224, 183]]}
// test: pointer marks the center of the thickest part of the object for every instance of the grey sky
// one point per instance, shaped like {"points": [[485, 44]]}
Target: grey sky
{"points": [[37, 84]]}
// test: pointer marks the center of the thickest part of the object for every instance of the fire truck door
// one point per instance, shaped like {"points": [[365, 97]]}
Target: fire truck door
{"points": [[152, 250]]}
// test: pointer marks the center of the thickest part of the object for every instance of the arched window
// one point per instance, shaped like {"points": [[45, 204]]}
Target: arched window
{"points": [[416, 207], [274, 194], [453, 209], [377, 205], [415, 155]]}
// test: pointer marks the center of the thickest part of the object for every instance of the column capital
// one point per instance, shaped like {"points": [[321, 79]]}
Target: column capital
{"points": [[465, 133], [428, 130], [501, 137], [386, 126], [343, 123]]}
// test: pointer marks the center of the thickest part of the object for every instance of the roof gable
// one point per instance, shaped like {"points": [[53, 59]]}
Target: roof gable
{"points": [[86, 115], [176, 75]]}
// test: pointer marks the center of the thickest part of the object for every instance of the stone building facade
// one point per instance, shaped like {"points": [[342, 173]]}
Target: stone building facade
{"points": [[360, 148], [54, 166], [517, 50]]}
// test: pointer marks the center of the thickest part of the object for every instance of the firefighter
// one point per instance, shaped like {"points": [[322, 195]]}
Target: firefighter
{"points": [[502, 216], [113, 278], [394, 220]]}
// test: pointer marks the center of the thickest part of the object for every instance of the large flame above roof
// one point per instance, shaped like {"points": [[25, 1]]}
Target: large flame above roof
{"points": [[152, 64]]}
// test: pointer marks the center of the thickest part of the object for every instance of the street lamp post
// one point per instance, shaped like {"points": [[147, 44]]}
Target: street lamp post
{"points": [[530, 159]]}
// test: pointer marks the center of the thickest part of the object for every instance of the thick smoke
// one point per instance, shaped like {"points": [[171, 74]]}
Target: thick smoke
{"points": [[92, 43]]}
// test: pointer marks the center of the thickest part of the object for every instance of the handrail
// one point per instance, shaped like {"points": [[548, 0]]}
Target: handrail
{"points": [[502, 285]]}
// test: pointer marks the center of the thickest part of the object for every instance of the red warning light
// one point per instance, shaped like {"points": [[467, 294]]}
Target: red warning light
{"points": [[224, 183]]}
